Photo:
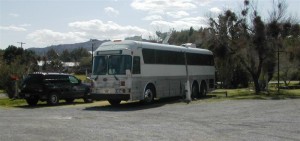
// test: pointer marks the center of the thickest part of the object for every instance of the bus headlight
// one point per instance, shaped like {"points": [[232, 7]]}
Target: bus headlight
{"points": [[122, 83]]}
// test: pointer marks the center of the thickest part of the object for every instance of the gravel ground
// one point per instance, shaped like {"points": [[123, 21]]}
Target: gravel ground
{"points": [[231, 120]]}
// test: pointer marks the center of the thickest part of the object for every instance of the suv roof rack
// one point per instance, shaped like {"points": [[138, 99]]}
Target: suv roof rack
{"points": [[55, 73]]}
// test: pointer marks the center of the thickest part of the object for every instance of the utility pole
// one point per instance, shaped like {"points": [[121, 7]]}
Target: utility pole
{"points": [[92, 40], [278, 69], [187, 84], [21, 44], [278, 63]]}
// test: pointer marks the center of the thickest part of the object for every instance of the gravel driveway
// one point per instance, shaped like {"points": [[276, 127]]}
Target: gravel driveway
{"points": [[165, 120]]}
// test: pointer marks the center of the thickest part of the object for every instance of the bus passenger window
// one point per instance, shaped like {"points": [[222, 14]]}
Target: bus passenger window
{"points": [[136, 65]]}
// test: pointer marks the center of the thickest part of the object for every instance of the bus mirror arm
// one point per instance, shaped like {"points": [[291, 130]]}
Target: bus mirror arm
{"points": [[128, 73]]}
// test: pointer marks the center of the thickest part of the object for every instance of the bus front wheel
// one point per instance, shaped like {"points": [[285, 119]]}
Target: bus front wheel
{"points": [[148, 96]]}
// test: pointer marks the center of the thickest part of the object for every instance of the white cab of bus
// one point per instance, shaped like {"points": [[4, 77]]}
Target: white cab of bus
{"points": [[133, 70]]}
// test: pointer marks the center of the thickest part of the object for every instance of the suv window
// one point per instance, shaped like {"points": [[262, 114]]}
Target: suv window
{"points": [[33, 79], [56, 78], [73, 80]]}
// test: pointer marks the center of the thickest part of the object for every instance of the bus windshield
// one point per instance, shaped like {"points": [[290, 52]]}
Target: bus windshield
{"points": [[112, 65]]}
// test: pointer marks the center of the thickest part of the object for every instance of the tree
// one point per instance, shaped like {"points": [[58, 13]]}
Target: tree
{"points": [[85, 65], [256, 51], [52, 54], [290, 57], [55, 66], [65, 56], [78, 53], [15, 63], [184, 36], [222, 37], [248, 40], [11, 53]]}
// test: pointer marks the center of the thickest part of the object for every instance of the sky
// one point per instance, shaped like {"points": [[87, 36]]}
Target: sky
{"points": [[41, 23]]}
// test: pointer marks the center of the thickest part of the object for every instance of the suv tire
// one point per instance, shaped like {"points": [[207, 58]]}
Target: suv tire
{"points": [[32, 101], [53, 99], [114, 102], [87, 100]]}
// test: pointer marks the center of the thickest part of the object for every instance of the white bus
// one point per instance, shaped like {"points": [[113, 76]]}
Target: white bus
{"points": [[134, 70]]}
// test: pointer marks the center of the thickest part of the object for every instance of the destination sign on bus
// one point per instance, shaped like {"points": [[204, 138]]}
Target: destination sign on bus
{"points": [[109, 52]]}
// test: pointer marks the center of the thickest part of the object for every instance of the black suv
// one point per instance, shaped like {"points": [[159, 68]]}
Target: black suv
{"points": [[52, 87]]}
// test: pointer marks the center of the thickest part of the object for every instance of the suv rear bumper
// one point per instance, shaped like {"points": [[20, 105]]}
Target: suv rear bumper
{"points": [[96, 96], [26, 95]]}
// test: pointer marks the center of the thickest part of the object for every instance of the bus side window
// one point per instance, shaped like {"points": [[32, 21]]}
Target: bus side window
{"points": [[136, 65]]}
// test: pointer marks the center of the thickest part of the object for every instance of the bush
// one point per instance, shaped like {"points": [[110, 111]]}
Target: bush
{"points": [[7, 72]]}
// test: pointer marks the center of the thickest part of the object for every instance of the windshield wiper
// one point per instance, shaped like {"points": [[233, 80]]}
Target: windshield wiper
{"points": [[116, 77]]}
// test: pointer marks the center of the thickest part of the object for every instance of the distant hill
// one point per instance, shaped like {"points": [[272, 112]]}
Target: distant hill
{"points": [[60, 48]]}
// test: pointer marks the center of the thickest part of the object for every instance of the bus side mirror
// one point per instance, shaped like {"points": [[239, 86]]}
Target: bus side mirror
{"points": [[128, 73]]}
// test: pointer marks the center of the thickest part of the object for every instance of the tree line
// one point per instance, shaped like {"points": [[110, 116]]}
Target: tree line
{"points": [[246, 47]]}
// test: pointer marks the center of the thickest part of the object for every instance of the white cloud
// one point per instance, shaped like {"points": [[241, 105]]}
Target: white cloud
{"points": [[204, 2], [13, 28], [25, 25], [85, 30], [178, 14], [185, 23], [106, 30], [215, 10], [45, 37], [153, 17], [159, 6], [111, 11], [14, 15]]}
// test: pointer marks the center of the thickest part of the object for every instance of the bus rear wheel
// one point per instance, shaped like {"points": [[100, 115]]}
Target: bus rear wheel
{"points": [[203, 90], [195, 91]]}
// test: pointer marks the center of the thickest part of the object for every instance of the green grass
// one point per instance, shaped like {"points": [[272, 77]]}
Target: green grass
{"points": [[1, 91], [236, 94], [6, 102], [232, 94], [83, 78]]}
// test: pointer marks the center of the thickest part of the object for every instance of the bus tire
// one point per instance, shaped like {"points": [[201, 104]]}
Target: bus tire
{"points": [[148, 95], [203, 89], [114, 102], [195, 91]]}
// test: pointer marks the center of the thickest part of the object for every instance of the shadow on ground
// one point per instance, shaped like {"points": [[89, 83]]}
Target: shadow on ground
{"points": [[44, 105], [135, 106]]}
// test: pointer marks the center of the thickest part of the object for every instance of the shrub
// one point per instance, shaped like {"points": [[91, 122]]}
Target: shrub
{"points": [[7, 73]]}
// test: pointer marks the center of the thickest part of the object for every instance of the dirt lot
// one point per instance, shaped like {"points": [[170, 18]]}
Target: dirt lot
{"points": [[164, 120]]}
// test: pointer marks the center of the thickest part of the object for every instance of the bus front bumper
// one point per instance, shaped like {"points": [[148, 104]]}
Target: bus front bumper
{"points": [[97, 96]]}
